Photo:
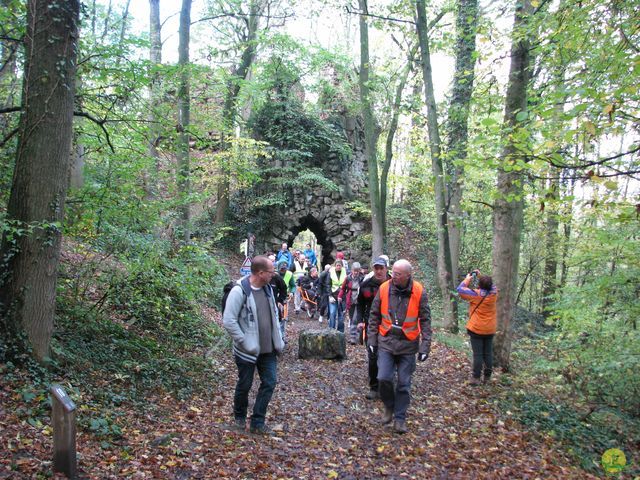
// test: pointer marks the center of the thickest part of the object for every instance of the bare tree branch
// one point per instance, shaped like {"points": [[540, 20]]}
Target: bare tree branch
{"points": [[100, 123], [10, 110], [483, 203], [350, 11]]}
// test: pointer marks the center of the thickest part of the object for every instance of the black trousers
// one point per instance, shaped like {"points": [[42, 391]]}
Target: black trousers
{"points": [[482, 346]]}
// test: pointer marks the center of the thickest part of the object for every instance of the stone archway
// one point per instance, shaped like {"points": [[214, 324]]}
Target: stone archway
{"points": [[317, 228], [325, 210]]}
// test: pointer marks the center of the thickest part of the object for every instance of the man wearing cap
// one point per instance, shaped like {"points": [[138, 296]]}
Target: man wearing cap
{"points": [[347, 297], [399, 328], [368, 290]]}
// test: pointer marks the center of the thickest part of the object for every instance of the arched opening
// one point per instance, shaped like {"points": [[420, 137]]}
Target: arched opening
{"points": [[323, 242], [307, 238]]}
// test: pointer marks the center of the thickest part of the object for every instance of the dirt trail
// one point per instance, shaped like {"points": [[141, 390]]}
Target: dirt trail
{"points": [[325, 428]]}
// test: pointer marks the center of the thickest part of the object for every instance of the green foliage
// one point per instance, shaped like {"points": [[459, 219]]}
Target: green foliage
{"points": [[300, 143], [597, 312], [145, 309], [163, 292], [585, 441]]}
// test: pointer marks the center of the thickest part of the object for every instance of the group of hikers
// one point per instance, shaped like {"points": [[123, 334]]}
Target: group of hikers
{"points": [[388, 313]]}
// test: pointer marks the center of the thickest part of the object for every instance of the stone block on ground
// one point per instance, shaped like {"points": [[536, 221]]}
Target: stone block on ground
{"points": [[325, 344]]}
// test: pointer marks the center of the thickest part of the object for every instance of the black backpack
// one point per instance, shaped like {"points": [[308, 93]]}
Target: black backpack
{"points": [[227, 288]]}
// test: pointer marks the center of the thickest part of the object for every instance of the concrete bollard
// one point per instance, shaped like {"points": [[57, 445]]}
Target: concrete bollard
{"points": [[63, 417]]}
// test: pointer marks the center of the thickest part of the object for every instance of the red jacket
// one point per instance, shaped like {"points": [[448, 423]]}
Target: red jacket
{"points": [[347, 289]]}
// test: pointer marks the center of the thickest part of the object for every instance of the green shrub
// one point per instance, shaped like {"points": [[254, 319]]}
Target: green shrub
{"points": [[164, 293]]}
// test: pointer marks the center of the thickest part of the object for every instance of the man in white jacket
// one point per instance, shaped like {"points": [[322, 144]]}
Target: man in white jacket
{"points": [[251, 318]]}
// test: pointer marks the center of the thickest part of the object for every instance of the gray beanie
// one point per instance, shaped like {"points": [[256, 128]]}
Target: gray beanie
{"points": [[355, 265]]}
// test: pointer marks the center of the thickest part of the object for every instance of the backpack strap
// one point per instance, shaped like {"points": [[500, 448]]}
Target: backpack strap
{"points": [[479, 303], [246, 286]]}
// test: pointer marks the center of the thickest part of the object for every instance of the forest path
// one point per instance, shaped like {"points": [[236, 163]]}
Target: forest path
{"points": [[325, 428]]}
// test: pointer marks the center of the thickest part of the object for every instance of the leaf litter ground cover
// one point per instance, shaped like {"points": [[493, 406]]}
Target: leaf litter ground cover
{"points": [[323, 427]]}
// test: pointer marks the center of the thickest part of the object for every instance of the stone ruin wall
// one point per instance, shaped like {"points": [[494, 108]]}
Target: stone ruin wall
{"points": [[325, 213]]}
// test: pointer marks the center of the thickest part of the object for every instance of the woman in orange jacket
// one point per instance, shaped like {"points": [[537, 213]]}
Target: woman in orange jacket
{"points": [[482, 323]]}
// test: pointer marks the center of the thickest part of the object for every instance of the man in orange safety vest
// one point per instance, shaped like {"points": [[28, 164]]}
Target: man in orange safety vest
{"points": [[399, 328]]}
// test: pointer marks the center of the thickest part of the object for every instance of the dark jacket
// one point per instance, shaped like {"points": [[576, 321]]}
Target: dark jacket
{"points": [[398, 303], [279, 288], [324, 284], [324, 290], [309, 283], [368, 290]]}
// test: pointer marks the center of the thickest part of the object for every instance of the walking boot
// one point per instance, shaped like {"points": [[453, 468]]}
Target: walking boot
{"points": [[400, 426], [372, 395], [387, 417], [239, 424]]}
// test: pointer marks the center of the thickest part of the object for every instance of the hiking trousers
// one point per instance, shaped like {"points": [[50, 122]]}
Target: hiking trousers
{"points": [[395, 398], [267, 366], [482, 347]]}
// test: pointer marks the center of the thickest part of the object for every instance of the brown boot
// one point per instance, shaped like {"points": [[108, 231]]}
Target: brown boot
{"points": [[400, 426], [387, 416], [474, 382]]}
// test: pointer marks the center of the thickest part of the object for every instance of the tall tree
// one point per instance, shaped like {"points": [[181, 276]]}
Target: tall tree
{"points": [[371, 134], [457, 122], [155, 59], [31, 248], [445, 277], [184, 104], [248, 35], [391, 133], [509, 204]]}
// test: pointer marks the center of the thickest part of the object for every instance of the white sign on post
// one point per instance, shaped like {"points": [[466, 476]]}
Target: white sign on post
{"points": [[245, 269]]}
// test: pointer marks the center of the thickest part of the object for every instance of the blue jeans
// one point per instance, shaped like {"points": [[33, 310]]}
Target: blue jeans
{"points": [[267, 366], [398, 398], [336, 316]]}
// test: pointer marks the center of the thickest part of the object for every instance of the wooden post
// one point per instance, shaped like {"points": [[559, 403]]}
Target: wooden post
{"points": [[64, 432]]}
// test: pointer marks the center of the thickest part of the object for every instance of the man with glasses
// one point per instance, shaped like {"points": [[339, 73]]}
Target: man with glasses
{"points": [[399, 328], [251, 318]]}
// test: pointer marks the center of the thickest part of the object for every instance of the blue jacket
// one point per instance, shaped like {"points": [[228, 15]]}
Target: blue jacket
{"points": [[285, 255], [311, 255]]}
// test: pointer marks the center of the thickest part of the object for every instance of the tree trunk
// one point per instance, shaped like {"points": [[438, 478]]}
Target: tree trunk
{"points": [[388, 150], [155, 58], [184, 174], [509, 206], [370, 136], [241, 71], [549, 281], [445, 278], [466, 28], [567, 202], [31, 248]]}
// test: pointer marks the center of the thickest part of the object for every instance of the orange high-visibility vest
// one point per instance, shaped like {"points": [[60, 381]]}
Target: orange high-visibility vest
{"points": [[411, 325]]}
